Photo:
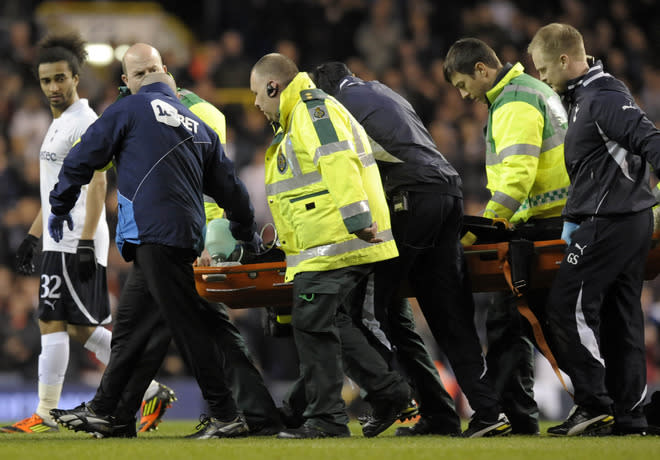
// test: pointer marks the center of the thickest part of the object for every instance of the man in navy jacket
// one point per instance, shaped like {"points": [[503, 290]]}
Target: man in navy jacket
{"points": [[166, 159], [594, 307], [426, 207]]}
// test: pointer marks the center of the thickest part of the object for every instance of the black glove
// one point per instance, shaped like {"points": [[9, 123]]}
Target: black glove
{"points": [[86, 260], [255, 245], [25, 254], [241, 232]]}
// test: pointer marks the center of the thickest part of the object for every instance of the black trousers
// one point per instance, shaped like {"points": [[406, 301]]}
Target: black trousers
{"points": [[511, 342], [431, 259], [510, 359], [247, 385], [321, 301], [415, 360], [365, 364], [595, 313], [364, 359], [160, 290]]}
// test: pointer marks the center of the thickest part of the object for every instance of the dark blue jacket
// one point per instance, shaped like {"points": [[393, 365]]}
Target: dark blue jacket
{"points": [[166, 159], [608, 146], [409, 159]]}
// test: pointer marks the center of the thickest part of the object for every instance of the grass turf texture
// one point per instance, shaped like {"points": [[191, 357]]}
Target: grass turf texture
{"points": [[168, 443]]}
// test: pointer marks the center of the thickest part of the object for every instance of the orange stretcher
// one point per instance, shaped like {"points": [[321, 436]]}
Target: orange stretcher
{"points": [[493, 267], [262, 284]]}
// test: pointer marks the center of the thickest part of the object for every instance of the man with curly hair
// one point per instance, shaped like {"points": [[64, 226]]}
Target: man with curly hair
{"points": [[73, 299]]}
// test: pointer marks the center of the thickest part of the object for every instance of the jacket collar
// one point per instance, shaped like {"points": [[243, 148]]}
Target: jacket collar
{"points": [[595, 71], [347, 81], [157, 87], [291, 96], [508, 73]]}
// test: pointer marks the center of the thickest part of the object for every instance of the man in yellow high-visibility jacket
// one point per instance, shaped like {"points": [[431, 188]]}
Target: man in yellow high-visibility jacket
{"points": [[329, 208], [529, 184]]}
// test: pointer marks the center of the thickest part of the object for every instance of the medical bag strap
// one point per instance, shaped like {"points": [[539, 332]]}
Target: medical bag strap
{"points": [[525, 311]]}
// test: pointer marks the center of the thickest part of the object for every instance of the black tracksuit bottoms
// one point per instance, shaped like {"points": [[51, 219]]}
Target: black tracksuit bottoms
{"points": [[161, 285], [594, 311], [431, 258]]}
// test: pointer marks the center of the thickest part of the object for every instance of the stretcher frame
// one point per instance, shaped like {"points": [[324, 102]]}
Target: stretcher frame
{"points": [[262, 284]]}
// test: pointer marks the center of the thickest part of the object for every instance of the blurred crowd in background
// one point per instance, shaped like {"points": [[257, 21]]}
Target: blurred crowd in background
{"points": [[401, 43]]}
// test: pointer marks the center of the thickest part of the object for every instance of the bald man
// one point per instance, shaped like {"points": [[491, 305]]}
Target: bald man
{"points": [[139, 61], [330, 212], [166, 157], [143, 65]]}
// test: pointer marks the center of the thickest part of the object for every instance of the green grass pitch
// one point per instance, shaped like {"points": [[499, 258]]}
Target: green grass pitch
{"points": [[168, 443]]}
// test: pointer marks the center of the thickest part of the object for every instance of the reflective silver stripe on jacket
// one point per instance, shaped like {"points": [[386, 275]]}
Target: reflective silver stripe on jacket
{"points": [[516, 149], [367, 159], [293, 183], [556, 115], [354, 209], [329, 149], [506, 201], [301, 180], [335, 249], [291, 157], [553, 141]]}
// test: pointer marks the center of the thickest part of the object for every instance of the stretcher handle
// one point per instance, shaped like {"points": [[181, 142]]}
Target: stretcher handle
{"points": [[214, 278], [246, 288]]}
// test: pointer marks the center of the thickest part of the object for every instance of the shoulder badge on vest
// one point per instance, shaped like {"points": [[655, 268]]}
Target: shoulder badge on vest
{"points": [[318, 113], [281, 162]]}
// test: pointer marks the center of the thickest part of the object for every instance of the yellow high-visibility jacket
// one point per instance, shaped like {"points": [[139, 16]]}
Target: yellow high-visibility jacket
{"points": [[213, 117], [323, 184], [525, 149]]}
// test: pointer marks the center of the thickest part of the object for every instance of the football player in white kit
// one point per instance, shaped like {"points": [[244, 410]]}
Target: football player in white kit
{"points": [[73, 298]]}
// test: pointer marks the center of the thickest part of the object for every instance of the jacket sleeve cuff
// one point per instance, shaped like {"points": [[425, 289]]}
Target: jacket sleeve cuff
{"points": [[242, 232], [358, 222]]}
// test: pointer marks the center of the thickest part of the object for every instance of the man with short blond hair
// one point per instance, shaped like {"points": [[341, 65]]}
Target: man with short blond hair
{"points": [[556, 39], [594, 307]]}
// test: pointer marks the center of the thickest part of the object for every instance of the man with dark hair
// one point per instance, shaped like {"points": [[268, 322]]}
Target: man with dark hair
{"points": [[166, 158], [529, 184], [425, 196], [594, 306], [329, 209], [73, 300], [72, 116]]}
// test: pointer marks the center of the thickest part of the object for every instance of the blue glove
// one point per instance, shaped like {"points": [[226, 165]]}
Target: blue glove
{"points": [[56, 225], [255, 245], [567, 231]]}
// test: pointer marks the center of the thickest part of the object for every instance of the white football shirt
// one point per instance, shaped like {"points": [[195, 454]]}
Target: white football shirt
{"points": [[61, 135]]}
